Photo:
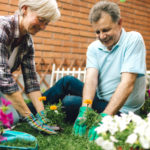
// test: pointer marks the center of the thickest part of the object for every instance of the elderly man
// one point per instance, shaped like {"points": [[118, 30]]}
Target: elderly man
{"points": [[115, 66]]}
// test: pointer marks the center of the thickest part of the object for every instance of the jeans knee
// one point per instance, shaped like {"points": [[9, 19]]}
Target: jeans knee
{"points": [[72, 101], [68, 78]]}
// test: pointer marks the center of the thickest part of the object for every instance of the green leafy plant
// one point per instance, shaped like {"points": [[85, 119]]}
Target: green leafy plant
{"points": [[92, 118], [55, 114], [146, 107]]}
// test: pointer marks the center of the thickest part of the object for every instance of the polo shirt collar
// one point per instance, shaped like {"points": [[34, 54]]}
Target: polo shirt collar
{"points": [[122, 36]]}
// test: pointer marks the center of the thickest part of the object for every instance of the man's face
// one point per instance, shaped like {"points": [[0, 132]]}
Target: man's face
{"points": [[107, 31], [33, 23]]}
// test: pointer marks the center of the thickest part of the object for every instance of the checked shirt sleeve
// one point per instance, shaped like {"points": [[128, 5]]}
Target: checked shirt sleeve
{"points": [[28, 69], [7, 83]]}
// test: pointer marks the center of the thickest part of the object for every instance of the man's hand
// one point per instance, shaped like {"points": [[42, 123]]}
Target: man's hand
{"points": [[79, 126], [92, 135]]}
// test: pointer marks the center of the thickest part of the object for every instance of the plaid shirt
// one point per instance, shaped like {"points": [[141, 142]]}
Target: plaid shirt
{"points": [[9, 34]]}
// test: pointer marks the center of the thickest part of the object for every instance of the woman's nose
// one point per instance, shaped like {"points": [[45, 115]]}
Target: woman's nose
{"points": [[42, 26]]}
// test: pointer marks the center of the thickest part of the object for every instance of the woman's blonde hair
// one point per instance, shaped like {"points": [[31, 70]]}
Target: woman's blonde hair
{"points": [[47, 9]]}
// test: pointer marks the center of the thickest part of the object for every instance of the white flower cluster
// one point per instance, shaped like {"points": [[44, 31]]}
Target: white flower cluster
{"points": [[114, 124]]}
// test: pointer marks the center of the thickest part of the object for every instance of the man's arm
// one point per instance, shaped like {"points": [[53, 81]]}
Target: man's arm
{"points": [[89, 90], [90, 85], [121, 94]]}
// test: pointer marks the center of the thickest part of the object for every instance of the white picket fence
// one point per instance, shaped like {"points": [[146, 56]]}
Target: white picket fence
{"points": [[58, 73]]}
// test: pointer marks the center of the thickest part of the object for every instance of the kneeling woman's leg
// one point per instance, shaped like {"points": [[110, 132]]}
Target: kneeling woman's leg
{"points": [[71, 106]]}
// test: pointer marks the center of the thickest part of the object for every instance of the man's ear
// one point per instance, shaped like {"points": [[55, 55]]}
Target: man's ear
{"points": [[120, 22]]}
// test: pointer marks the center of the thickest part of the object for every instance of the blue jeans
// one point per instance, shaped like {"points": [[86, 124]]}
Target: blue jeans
{"points": [[69, 90]]}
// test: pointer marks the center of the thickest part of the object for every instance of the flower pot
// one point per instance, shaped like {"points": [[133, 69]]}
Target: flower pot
{"points": [[22, 137], [120, 148]]}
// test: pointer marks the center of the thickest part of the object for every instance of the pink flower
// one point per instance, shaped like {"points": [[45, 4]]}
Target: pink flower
{"points": [[6, 119], [148, 92], [5, 102], [10, 117], [2, 138]]}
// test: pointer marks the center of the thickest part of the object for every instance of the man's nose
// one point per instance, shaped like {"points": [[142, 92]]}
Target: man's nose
{"points": [[102, 35]]}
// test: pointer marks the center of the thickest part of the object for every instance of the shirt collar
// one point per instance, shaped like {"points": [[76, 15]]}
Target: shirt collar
{"points": [[123, 33], [16, 25]]}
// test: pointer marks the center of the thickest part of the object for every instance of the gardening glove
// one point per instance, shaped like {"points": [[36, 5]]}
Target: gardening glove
{"points": [[33, 122], [41, 116], [80, 128], [92, 135]]}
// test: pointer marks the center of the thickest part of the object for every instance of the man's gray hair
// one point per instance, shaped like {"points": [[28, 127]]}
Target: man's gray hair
{"points": [[47, 9], [104, 6]]}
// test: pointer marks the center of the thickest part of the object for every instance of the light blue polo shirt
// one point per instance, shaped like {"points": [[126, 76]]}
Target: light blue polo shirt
{"points": [[128, 55]]}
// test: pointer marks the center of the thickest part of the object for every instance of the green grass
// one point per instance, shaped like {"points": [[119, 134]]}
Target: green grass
{"points": [[64, 140]]}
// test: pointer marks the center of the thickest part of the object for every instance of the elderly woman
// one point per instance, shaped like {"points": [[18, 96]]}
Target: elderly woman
{"points": [[16, 48]]}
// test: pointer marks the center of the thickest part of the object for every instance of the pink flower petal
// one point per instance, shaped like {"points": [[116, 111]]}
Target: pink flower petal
{"points": [[149, 92], [10, 117], [2, 138], [5, 102], [4, 118]]}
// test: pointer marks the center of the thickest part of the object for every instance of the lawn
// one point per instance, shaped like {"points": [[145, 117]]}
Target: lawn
{"points": [[64, 140]]}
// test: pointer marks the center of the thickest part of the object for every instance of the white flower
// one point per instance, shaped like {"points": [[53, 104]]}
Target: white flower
{"points": [[105, 144], [148, 115], [107, 120], [132, 138], [56, 111], [140, 128], [145, 144], [113, 128], [113, 139], [147, 133], [99, 141], [101, 129], [117, 124]]}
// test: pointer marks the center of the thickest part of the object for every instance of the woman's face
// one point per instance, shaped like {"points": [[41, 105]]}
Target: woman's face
{"points": [[32, 23]]}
